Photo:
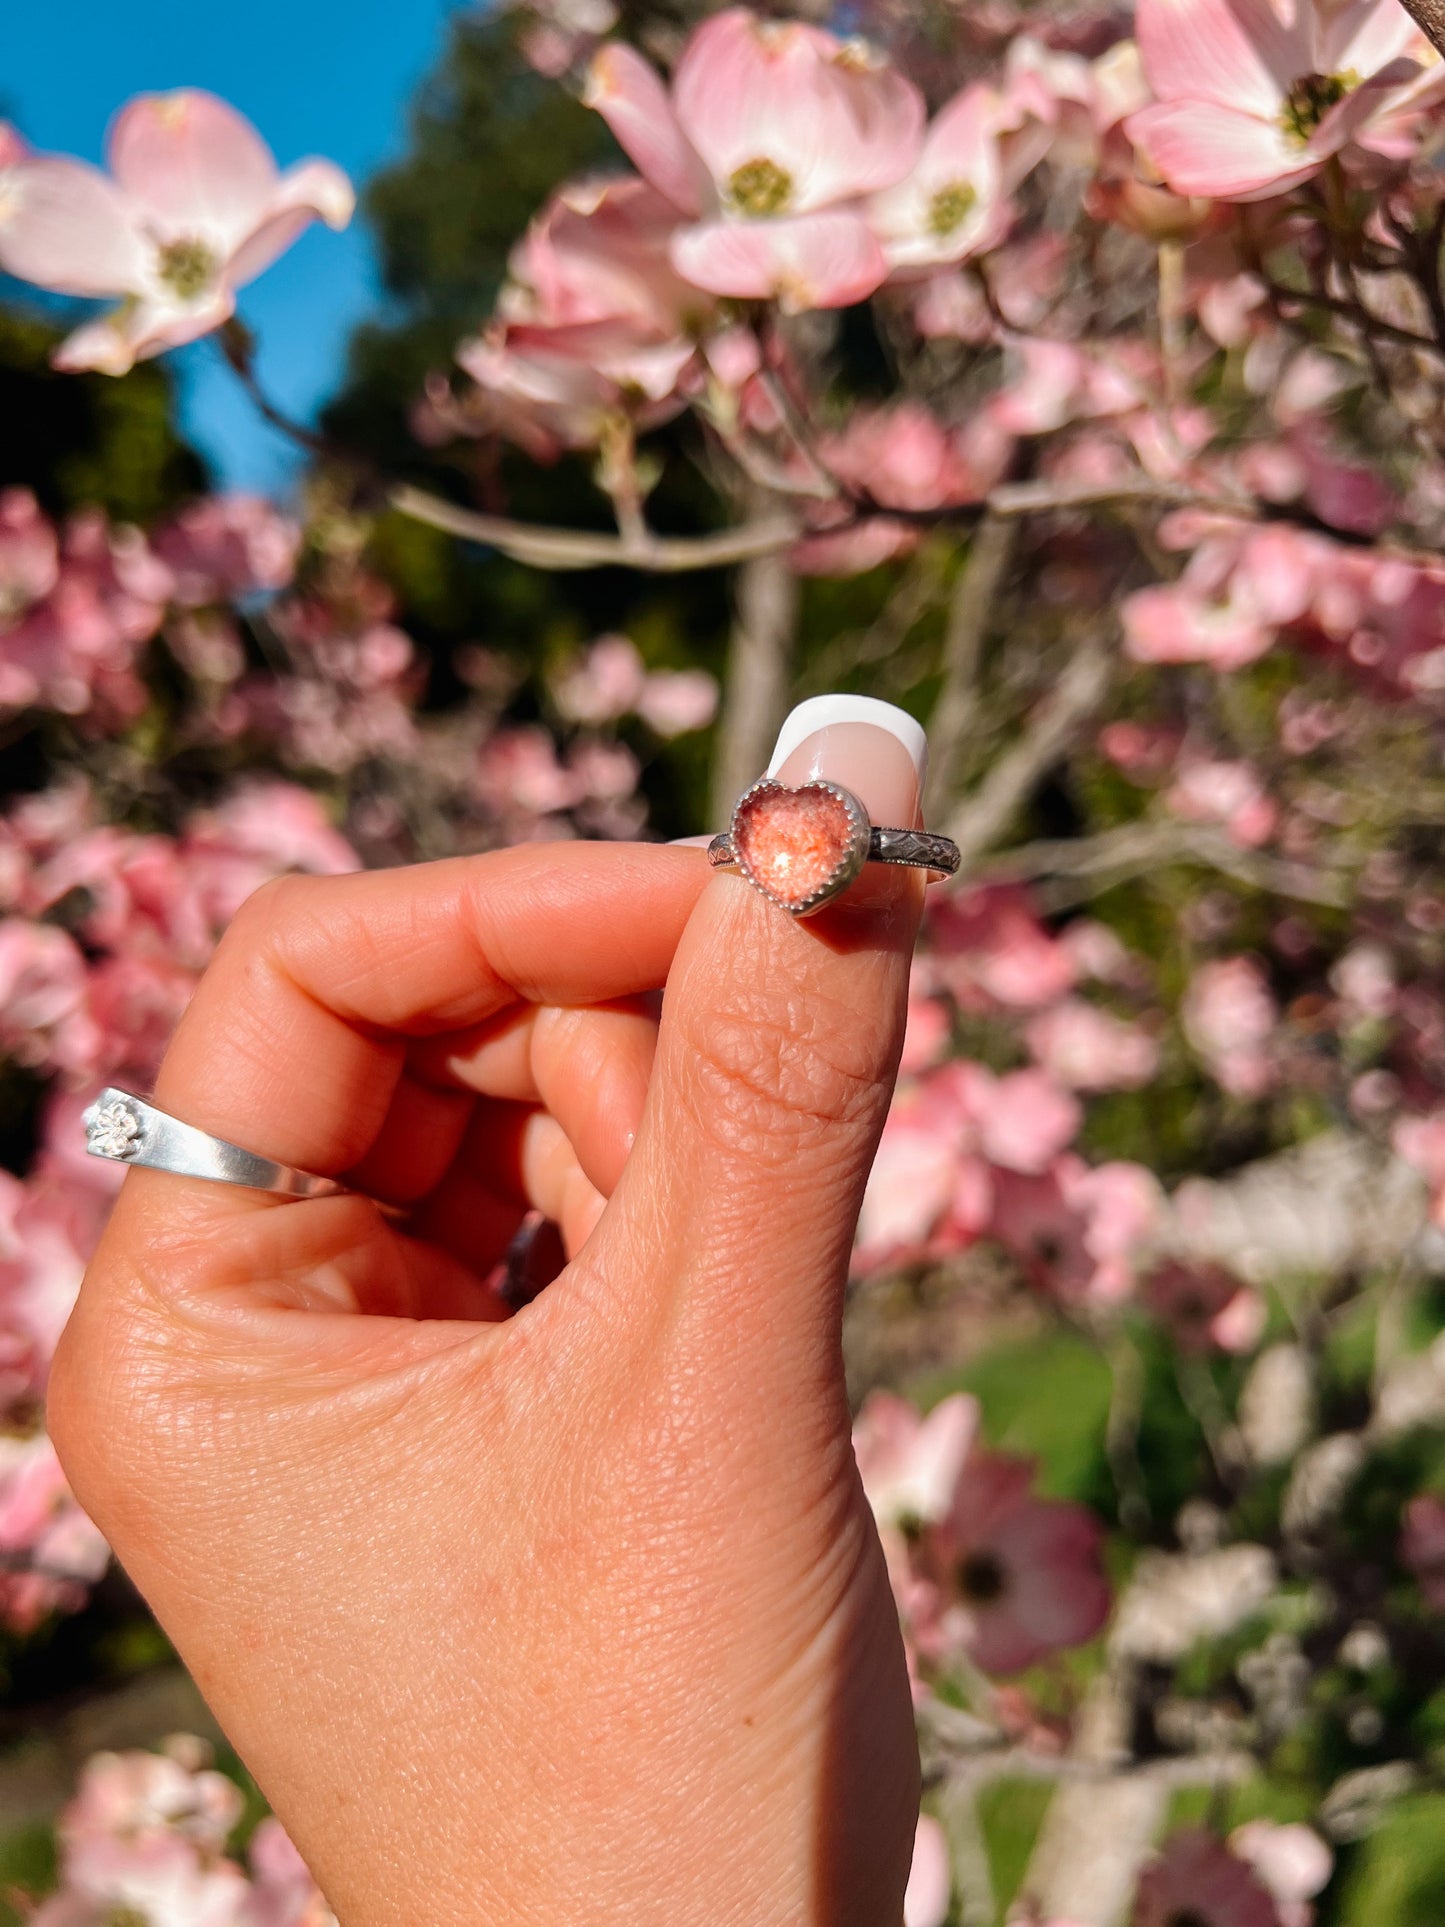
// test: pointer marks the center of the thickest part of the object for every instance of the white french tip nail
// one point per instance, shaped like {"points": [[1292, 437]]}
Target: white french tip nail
{"points": [[823, 712]]}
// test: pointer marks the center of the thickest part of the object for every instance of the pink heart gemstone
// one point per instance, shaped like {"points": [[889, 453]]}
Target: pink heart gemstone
{"points": [[799, 847]]}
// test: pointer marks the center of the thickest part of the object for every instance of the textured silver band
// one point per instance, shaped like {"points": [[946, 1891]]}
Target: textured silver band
{"points": [[124, 1128], [917, 848]]}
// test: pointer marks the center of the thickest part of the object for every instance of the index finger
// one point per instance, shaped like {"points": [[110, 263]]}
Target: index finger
{"points": [[295, 1040]]}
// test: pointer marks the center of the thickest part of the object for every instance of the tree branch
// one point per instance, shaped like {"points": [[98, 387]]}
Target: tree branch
{"points": [[1133, 849], [1353, 311], [543, 547], [973, 598], [759, 673], [566, 549], [983, 817], [1429, 16]]}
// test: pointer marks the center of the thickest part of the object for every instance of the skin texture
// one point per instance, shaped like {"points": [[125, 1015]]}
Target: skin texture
{"points": [[579, 1616]]}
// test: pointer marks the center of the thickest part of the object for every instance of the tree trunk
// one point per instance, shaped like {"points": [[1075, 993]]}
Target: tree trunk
{"points": [[759, 674]]}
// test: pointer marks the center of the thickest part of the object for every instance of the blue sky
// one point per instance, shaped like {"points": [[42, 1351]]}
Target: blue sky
{"points": [[328, 77]]}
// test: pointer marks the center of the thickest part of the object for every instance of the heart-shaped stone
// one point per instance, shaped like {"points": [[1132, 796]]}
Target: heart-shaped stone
{"points": [[800, 847]]}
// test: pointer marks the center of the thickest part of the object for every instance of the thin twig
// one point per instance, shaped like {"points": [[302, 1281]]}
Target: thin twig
{"points": [[1133, 849], [1355, 311], [561, 550], [983, 817], [238, 348], [567, 549], [974, 596]]}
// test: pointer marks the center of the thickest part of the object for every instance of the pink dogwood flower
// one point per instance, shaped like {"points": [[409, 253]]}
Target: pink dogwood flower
{"points": [[904, 457], [193, 208], [283, 1894], [72, 647], [1013, 1577], [1238, 589], [1292, 1861], [900, 457], [1231, 794], [144, 1796], [1252, 99], [227, 547], [48, 1229], [1196, 1878], [771, 133], [260, 829], [930, 1878], [927, 1029], [1077, 1232], [1420, 1142], [44, 1020], [1023, 1119], [674, 702], [910, 1465], [604, 685], [928, 1190], [594, 323], [1205, 1307], [29, 553], [990, 949], [1229, 1017], [953, 204], [42, 1527], [1087, 1049]]}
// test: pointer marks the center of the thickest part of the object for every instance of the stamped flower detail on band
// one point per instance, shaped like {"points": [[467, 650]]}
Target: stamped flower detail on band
{"points": [[113, 1131]]}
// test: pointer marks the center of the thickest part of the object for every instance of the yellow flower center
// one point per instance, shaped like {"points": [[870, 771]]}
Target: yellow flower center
{"points": [[1310, 99], [855, 56], [188, 267], [951, 207], [760, 187]]}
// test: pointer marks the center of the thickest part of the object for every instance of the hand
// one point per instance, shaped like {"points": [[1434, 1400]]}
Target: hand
{"points": [[578, 1617]]}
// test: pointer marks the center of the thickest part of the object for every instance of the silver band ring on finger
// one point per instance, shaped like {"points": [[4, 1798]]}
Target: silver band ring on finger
{"points": [[128, 1130], [803, 847]]}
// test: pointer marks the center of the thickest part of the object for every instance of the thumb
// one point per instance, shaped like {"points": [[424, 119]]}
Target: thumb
{"points": [[776, 1060]]}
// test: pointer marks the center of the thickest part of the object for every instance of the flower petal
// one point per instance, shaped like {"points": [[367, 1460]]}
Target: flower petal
{"points": [[654, 368], [113, 344], [1201, 148], [64, 226], [630, 96], [930, 1879], [1363, 104], [832, 120], [194, 163], [310, 191], [817, 261], [949, 206], [1238, 53], [1364, 36]]}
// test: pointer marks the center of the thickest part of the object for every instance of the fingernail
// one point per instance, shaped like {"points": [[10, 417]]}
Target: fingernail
{"points": [[872, 748]]}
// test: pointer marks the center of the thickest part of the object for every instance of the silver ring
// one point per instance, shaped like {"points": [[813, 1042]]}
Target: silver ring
{"points": [[124, 1128], [803, 847]]}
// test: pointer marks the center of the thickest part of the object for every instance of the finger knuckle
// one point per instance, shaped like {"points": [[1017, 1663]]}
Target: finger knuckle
{"points": [[109, 1403], [271, 908], [778, 1073]]}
